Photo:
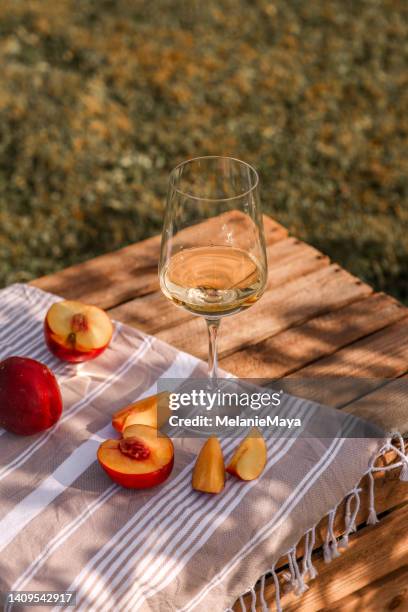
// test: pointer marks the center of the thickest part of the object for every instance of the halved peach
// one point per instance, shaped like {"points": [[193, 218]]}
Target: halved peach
{"points": [[140, 460], [77, 332], [153, 411], [249, 459], [209, 473]]}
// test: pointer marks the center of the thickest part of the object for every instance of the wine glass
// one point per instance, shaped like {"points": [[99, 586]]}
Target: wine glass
{"points": [[213, 258]]}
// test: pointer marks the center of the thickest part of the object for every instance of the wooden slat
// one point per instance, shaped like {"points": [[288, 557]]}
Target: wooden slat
{"points": [[321, 336], [114, 278], [108, 279], [356, 370], [288, 259], [389, 592], [383, 354], [377, 551], [387, 407], [293, 303]]}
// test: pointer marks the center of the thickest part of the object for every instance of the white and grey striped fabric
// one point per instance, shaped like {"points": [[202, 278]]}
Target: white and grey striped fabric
{"points": [[65, 526]]}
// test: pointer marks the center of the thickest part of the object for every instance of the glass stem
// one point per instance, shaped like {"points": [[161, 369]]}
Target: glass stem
{"points": [[212, 326]]}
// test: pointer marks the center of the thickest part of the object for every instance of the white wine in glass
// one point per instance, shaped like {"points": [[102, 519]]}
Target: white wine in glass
{"points": [[213, 260], [213, 280]]}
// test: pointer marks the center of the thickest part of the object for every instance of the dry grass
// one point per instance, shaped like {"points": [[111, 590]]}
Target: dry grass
{"points": [[99, 99]]}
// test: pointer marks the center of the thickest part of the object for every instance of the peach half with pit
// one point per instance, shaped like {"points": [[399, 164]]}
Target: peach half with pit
{"points": [[142, 459], [77, 332]]}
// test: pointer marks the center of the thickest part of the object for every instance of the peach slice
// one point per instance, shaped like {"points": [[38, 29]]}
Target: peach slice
{"points": [[209, 472], [153, 411], [249, 459], [77, 332], [140, 460]]}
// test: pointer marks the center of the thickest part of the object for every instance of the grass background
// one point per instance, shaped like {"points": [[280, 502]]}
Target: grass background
{"points": [[99, 99]]}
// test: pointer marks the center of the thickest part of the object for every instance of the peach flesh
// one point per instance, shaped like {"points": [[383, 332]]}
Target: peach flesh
{"points": [[250, 457], [152, 410], [151, 467], [76, 332], [208, 473]]}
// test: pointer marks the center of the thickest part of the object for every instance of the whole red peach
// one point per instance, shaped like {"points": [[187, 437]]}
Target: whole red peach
{"points": [[30, 398]]}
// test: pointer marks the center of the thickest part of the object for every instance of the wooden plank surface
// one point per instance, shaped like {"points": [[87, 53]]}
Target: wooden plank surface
{"points": [[357, 369], [288, 259], [389, 592], [318, 337], [375, 407], [383, 354], [114, 278], [287, 305]]}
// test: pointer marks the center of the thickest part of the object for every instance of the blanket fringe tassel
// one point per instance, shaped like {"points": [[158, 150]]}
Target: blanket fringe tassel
{"points": [[295, 576]]}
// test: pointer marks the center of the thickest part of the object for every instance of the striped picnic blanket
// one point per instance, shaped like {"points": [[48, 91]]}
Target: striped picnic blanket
{"points": [[65, 526]]}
